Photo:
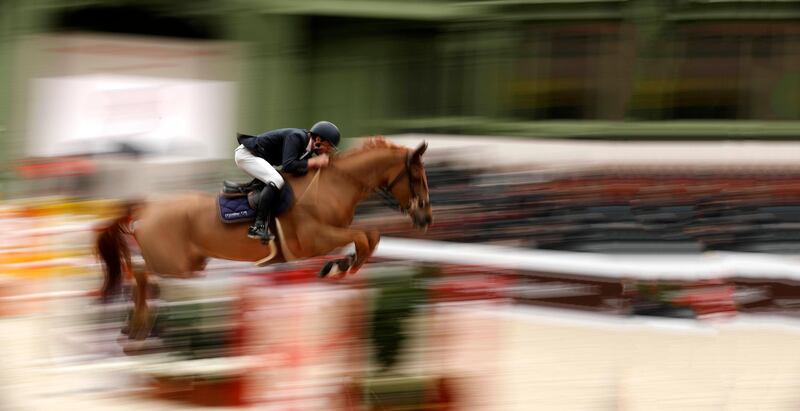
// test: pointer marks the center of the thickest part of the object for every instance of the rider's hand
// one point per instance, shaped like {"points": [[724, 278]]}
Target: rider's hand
{"points": [[319, 161]]}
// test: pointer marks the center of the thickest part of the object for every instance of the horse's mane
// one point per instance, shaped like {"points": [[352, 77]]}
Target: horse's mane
{"points": [[369, 144]]}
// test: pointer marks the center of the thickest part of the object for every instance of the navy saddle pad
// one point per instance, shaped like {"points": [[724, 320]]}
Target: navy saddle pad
{"points": [[238, 208]]}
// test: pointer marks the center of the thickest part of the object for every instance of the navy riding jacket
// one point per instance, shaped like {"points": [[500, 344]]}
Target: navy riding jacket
{"points": [[282, 147]]}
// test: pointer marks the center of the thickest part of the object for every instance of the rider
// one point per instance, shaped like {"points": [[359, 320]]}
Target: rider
{"points": [[291, 148]]}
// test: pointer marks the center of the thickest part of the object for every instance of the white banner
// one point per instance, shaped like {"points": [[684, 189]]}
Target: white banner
{"points": [[90, 95]]}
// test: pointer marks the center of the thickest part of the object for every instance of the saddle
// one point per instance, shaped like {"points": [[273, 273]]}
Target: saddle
{"points": [[238, 202]]}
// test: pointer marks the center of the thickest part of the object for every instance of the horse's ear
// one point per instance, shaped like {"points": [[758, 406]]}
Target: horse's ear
{"points": [[420, 150]]}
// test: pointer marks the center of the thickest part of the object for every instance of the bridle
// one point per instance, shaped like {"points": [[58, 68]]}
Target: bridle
{"points": [[385, 191], [415, 200]]}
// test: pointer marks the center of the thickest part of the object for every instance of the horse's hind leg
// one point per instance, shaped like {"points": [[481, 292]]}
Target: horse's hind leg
{"points": [[140, 320]]}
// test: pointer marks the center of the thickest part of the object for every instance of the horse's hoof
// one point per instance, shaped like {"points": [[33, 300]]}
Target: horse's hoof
{"points": [[326, 269], [344, 264]]}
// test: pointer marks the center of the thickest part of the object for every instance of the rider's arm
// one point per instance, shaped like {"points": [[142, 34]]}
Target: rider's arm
{"points": [[293, 147]]}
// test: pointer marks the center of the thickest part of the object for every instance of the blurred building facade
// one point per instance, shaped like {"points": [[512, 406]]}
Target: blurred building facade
{"points": [[615, 68]]}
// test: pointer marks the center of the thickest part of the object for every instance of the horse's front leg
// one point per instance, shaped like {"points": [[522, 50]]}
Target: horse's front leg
{"points": [[373, 237], [325, 238]]}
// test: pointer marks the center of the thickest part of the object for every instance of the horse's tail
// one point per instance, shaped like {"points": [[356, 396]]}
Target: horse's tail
{"points": [[115, 254]]}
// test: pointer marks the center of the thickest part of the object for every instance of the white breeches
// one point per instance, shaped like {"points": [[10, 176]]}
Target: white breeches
{"points": [[257, 167]]}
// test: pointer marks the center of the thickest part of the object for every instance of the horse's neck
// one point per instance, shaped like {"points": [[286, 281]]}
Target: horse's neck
{"points": [[369, 168], [349, 181]]}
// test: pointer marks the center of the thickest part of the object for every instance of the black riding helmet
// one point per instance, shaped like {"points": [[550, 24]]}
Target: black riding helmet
{"points": [[327, 131]]}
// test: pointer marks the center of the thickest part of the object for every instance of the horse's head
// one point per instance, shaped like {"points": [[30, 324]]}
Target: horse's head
{"points": [[409, 185]]}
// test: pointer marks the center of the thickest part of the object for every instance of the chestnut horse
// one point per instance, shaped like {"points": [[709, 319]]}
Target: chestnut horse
{"points": [[179, 232]]}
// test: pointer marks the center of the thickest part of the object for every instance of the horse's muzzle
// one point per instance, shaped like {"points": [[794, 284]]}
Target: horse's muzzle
{"points": [[422, 220]]}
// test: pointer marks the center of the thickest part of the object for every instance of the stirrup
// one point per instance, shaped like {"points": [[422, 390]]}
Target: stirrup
{"points": [[256, 230], [260, 233]]}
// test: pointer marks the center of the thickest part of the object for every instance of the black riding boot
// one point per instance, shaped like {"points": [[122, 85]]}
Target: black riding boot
{"points": [[260, 228]]}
